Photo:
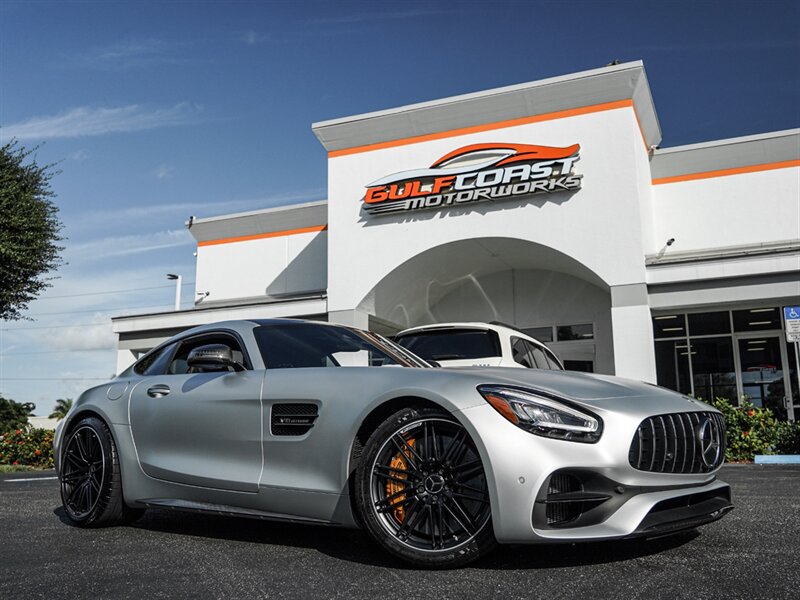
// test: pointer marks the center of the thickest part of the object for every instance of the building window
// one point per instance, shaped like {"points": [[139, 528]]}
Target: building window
{"points": [[669, 326], [713, 369], [724, 354], [756, 319], [762, 373], [566, 333], [672, 365], [710, 323], [542, 334]]}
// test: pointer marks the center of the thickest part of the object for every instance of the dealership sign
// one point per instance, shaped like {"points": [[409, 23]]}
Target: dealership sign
{"points": [[477, 173]]}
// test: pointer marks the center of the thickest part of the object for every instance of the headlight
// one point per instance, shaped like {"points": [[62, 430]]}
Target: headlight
{"points": [[543, 414]]}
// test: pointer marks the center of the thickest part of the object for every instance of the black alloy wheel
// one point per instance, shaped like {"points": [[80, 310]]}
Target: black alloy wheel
{"points": [[90, 478], [82, 472], [424, 494]]}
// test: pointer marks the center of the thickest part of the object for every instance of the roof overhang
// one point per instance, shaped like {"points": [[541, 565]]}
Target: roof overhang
{"points": [[295, 218], [778, 148], [616, 83]]}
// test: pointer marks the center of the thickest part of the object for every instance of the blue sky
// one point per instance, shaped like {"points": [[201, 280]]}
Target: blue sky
{"points": [[157, 111]]}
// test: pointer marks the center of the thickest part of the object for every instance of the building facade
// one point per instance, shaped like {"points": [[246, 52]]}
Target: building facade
{"points": [[548, 206]]}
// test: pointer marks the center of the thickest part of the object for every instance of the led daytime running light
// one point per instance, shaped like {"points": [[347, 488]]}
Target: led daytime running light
{"points": [[542, 415]]}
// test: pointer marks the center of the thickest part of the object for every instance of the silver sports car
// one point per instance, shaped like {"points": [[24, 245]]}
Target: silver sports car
{"points": [[316, 423]]}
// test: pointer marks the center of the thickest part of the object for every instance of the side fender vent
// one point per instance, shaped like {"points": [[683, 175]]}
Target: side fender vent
{"points": [[293, 419]]}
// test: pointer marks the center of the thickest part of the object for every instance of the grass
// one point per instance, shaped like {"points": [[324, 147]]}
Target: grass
{"points": [[17, 468]]}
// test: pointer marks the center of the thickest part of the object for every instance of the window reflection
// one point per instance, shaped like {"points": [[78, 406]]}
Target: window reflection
{"points": [[567, 333], [672, 365], [762, 373], [713, 370]]}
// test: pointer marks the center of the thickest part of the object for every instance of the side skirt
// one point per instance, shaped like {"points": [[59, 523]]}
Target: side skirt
{"points": [[223, 509]]}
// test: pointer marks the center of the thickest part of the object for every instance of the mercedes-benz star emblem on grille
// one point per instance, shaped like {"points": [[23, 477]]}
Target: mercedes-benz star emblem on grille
{"points": [[708, 436]]}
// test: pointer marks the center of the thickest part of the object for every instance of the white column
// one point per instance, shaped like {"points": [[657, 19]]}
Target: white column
{"points": [[632, 331], [351, 318], [125, 358]]}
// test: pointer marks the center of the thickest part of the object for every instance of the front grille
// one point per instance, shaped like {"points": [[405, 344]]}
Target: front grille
{"points": [[292, 419], [672, 443]]}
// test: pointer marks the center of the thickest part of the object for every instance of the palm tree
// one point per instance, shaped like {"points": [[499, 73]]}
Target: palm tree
{"points": [[61, 409]]}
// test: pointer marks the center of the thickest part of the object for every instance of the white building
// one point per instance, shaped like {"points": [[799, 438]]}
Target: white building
{"points": [[667, 265]]}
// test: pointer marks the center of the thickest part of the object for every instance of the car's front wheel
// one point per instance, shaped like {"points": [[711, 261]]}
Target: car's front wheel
{"points": [[421, 490], [91, 482]]}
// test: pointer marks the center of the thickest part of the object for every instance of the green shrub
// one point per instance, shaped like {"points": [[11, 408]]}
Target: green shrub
{"points": [[754, 431], [28, 446], [788, 438], [14, 415]]}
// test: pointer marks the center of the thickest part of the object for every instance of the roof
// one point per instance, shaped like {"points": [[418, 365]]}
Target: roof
{"points": [[627, 81], [498, 327], [281, 219], [775, 148]]}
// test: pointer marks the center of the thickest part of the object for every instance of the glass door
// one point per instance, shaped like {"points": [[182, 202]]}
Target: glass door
{"points": [[794, 384], [763, 373]]}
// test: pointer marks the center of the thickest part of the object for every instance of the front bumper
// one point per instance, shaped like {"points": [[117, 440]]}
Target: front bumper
{"points": [[620, 501]]}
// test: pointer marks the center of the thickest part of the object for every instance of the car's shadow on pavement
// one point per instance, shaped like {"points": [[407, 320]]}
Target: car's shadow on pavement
{"points": [[355, 546], [548, 556]]}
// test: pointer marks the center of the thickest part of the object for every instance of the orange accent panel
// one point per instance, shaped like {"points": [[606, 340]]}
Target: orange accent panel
{"points": [[723, 172], [561, 114], [261, 236]]}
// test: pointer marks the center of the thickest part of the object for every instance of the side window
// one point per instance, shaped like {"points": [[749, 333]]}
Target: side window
{"points": [[179, 365], [520, 353], [539, 357], [156, 362], [551, 358]]}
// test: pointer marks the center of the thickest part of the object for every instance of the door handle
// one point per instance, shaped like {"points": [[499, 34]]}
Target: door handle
{"points": [[158, 391]]}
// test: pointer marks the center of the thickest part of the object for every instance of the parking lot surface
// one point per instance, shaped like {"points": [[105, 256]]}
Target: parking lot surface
{"points": [[752, 553]]}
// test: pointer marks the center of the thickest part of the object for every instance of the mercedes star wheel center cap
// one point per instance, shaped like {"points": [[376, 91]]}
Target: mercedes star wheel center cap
{"points": [[434, 484]]}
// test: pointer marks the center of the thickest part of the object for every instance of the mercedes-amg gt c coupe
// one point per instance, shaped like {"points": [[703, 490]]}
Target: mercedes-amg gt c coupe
{"points": [[316, 423]]}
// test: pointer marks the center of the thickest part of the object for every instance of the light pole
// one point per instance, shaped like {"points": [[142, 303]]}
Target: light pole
{"points": [[177, 280]]}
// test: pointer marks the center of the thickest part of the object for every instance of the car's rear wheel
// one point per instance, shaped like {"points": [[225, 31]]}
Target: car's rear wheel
{"points": [[91, 482], [422, 491]]}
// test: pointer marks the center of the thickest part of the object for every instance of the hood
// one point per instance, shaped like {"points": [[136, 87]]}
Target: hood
{"points": [[604, 392]]}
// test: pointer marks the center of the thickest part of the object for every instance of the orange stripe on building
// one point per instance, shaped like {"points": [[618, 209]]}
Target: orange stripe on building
{"points": [[723, 172], [262, 236], [561, 114]]}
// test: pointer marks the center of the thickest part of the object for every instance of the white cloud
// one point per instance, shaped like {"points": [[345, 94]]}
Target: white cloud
{"points": [[78, 337], [127, 49], [147, 213], [251, 38], [163, 172], [86, 121], [79, 155], [370, 17], [109, 247], [129, 53]]}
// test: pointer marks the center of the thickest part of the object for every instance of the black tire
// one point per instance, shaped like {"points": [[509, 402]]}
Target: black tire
{"points": [[421, 490], [90, 478]]}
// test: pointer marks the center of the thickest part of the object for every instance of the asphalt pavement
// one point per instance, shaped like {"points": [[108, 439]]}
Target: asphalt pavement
{"points": [[752, 553]]}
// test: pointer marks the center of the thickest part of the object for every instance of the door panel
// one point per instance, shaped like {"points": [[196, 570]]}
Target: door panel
{"points": [[200, 429]]}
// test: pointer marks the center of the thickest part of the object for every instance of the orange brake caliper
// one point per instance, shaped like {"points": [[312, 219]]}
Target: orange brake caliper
{"points": [[392, 487]]}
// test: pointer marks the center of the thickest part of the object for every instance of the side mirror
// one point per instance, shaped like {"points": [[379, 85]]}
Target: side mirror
{"points": [[212, 357]]}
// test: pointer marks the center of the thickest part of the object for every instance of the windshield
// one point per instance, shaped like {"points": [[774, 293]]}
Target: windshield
{"points": [[452, 344], [307, 345]]}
